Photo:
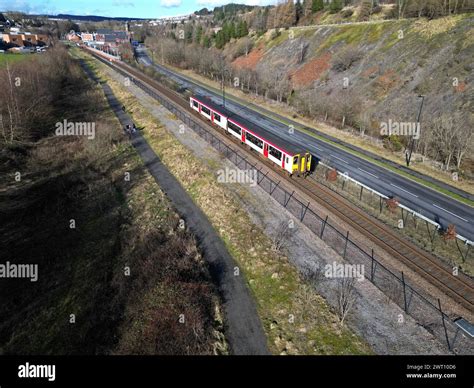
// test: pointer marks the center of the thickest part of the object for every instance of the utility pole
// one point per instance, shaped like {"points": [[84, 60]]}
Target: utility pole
{"points": [[409, 151], [223, 82]]}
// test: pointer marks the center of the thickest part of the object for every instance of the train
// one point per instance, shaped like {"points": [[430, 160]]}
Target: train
{"points": [[292, 158]]}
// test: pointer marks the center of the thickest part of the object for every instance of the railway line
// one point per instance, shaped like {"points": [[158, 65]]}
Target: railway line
{"points": [[459, 288]]}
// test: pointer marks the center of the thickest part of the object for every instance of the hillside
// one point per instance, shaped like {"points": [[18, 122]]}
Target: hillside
{"points": [[368, 74], [361, 76]]}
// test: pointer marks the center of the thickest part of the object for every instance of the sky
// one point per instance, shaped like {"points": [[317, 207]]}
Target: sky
{"points": [[123, 8]]}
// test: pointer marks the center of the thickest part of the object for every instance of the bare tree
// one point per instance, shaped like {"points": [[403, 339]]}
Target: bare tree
{"points": [[464, 138], [345, 297], [281, 236], [444, 138]]}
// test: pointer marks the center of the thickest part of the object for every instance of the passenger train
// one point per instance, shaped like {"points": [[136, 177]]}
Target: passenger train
{"points": [[293, 159]]}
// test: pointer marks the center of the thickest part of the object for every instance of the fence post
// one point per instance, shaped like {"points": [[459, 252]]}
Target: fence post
{"points": [[444, 324], [345, 246], [324, 226], [372, 267], [303, 211], [291, 195], [404, 293], [271, 192]]}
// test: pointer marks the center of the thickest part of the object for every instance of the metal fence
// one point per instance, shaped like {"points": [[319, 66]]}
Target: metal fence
{"points": [[426, 311]]}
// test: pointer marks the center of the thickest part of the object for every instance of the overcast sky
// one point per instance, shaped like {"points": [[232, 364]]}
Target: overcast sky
{"points": [[124, 8]]}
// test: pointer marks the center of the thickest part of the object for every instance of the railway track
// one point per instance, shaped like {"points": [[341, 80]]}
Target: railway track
{"points": [[459, 288]]}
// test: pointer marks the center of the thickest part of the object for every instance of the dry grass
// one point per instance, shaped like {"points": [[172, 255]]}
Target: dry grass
{"points": [[119, 223], [430, 28]]}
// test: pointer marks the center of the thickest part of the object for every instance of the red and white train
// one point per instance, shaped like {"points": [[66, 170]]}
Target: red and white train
{"points": [[288, 156]]}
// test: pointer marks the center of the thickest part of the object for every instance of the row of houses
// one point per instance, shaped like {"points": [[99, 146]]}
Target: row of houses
{"points": [[15, 38], [102, 37]]}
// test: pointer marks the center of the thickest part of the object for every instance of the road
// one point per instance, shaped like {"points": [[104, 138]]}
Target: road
{"points": [[426, 201]]}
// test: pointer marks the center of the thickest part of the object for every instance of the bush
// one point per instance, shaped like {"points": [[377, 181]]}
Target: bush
{"points": [[347, 13], [365, 11], [376, 9], [345, 59], [393, 143]]}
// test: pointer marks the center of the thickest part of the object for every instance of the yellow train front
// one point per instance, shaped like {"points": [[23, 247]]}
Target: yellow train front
{"points": [[302, 164]]}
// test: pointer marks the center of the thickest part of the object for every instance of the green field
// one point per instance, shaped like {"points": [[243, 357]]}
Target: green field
{"points": [[12, 58]]}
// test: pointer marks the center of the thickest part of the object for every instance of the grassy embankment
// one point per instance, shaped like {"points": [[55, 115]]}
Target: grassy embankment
{"points": [[118, 281]]}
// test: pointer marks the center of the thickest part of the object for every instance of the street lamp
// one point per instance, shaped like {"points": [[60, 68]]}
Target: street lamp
{"points": [[412, 141]]}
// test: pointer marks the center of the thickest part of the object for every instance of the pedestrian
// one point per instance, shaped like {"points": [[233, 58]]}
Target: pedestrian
{"points": [[128, 130]]}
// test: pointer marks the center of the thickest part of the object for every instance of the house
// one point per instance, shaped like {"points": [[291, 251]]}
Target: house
{"points": [[29, 39], [22, 39], [13, 39], [105, 37], [86, 37], [42, 39]]}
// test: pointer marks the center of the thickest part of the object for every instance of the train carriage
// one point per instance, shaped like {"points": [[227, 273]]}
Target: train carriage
{"points": [[292, 158]]}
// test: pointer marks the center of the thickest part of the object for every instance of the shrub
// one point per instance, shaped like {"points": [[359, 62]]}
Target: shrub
{"points": [[345, 59], [347, 13]]}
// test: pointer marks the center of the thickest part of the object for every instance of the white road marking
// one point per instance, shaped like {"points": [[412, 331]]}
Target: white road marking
{"points": [[406, 191], [375, 176], [342, 160], [447, 211]]}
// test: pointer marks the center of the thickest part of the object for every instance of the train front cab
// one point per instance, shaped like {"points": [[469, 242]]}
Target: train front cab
{"points": [[302, 164]]}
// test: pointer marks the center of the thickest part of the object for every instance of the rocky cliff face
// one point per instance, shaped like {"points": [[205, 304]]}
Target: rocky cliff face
{"points": [[368, 74]]}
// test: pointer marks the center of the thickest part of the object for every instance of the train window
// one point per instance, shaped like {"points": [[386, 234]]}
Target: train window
{"points": [[195, 103], [206, 110], [217, 117], [254, 140], [234, 127], [296, 160], [287, 160], [274, 152]]}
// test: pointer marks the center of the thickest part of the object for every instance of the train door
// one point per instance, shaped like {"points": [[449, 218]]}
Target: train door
{"points": [[212, 117], [243, 136], [303, 164], [309, 159], [265, 150]]}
